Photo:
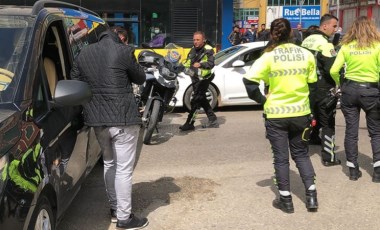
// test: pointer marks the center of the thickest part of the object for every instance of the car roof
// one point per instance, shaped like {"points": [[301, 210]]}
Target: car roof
{"points": [[49, 5], [252, 45]]}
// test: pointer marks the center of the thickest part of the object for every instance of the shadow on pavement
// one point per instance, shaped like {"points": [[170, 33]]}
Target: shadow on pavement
{"points": [[296, 186], [148, 196]]}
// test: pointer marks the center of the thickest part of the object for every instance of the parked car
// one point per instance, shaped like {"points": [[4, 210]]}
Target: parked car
{"points": [[227, 88], [46, 152]]}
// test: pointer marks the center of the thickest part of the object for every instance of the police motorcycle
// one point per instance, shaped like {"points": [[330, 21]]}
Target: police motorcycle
{"points": [[157, 95]]}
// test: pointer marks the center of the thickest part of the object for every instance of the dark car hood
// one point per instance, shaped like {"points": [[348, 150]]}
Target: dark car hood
{"points": [[9, 129]]}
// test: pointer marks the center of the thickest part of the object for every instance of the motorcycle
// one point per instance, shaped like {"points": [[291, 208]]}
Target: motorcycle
{"points": [[157, 95]]}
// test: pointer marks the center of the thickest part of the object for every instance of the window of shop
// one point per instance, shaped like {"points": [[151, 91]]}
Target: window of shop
{"points": [[376, 16], [293, 2], [349, 16], [243, 14]]}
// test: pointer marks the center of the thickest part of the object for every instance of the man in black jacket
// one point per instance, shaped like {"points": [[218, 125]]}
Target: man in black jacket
{"points": [[325, 100], [198, 66], [109, 67]]}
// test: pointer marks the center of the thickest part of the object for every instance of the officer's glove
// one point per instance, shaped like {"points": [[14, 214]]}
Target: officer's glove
{"points": [[338, 93]]}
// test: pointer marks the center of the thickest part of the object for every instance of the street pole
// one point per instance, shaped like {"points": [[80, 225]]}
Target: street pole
{"points": [[301, 3]]}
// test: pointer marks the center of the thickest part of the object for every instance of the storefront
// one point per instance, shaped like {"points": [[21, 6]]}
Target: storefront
{"points": [[348, 10]]}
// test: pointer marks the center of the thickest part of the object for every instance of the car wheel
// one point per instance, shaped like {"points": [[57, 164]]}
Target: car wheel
{"points": [[211, 94], [43, 217]]}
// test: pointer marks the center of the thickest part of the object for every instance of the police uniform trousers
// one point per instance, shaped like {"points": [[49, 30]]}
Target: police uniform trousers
{"points": [[324, 113], [357, 96], [285, 134], [199, 99]]}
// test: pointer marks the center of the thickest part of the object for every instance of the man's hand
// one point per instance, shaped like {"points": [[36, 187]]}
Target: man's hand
{"points": [[197, 64]]}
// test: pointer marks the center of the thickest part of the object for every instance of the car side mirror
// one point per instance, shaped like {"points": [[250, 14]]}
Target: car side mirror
{"points": [[238, 63], [72, 93]]}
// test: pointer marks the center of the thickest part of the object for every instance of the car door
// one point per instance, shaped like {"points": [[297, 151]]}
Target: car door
{"points": [[234, 91], [65, 138]]}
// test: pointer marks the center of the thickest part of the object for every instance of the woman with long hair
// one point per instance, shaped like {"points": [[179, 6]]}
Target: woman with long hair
{"points": [[360, 54], [288, 69]]}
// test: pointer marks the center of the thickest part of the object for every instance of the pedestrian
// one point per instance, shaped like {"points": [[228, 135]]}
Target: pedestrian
{"points": [[326, 101], [298, 35], [250, 34], [310, 30], [263, 34], [109, 67], [287, 109], [235, 37], [198, 65], [360, 54], [121, 32], [157, 41]]}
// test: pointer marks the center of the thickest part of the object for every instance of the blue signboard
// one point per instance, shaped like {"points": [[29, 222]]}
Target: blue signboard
{"points": [[307, 15]]}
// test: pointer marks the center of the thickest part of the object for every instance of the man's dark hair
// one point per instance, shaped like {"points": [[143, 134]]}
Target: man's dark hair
{"points": [[120, 30], [327, 17]]}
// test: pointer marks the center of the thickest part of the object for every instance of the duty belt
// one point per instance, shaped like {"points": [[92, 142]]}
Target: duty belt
{"points": [[362, 84]]}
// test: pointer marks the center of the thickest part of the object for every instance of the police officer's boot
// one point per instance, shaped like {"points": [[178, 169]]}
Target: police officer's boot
{"points": [[212, 123], [355, 173], [187, 126], [311, 200], [285, 203], [376, 174], [329, 162], [328, 148]]}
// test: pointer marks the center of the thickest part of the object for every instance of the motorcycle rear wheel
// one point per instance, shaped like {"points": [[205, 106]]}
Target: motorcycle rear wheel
{"points": [[152, 121]]}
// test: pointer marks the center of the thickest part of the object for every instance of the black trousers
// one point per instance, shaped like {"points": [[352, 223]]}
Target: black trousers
{"points": [[324, 113], [199, 99], [285, 134], [354, 98]]}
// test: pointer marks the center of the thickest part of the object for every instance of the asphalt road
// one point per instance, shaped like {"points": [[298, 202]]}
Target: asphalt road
{"points": [[222, 179]]}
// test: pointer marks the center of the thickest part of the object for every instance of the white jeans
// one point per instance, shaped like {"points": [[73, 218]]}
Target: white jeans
{"points": [[119, 146]]}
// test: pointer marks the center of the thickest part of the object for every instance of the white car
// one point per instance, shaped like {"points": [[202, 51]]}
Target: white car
{"points": [[227, 88]]}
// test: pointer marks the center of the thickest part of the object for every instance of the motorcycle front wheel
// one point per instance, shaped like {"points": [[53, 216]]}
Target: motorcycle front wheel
{"points": [[152, 121]]}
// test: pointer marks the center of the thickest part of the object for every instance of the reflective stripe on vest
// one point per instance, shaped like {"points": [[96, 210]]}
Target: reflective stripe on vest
{"points": [[286, 109], [284, 72]]}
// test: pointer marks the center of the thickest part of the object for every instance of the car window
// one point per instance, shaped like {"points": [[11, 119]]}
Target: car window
{"points": [[14, 41], [224, 54], [55, 56], [250, 57], [82, 32]]}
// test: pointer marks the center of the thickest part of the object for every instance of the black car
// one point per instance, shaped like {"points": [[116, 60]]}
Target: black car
{"points": [[46, 152]]}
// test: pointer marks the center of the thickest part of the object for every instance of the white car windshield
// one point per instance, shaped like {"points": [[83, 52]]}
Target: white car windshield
{"points": [[224, 54], [13, 45]]}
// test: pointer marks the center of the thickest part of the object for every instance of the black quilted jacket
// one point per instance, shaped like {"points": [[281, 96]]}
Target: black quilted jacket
{"points": [[109, 66]]}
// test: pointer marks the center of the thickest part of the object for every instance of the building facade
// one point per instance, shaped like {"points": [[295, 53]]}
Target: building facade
{"points": [[348, 10], [305, 12]]}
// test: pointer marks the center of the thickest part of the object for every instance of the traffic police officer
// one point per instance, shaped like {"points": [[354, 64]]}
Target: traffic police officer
{"points": [[198, 65], [288, 69], [360, 52], [325, 105]]}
